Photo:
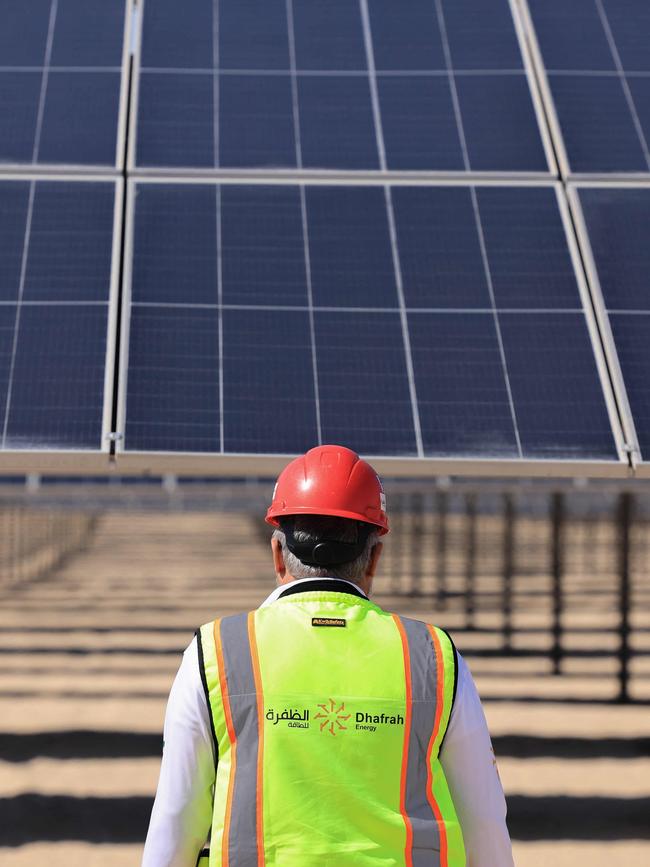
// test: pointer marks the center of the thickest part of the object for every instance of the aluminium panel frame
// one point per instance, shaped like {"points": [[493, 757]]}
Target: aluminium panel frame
{"points": [[261, 465], [640, 466], [217, 463], [53, 461]]}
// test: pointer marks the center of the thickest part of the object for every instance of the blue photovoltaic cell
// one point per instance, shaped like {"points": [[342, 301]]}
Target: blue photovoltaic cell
{"points": [[527, 250], [618, 224], [60, 96], [328, 36], [79, 118], [7, 325], [260, 130], [592, 53], [269, 403], [336, 123], [326, 52], [14, 199], [70, 253], [176, 120], [352, 349], [176, 239], [349, 243], [253, 35], [406, 36], [481, 35], [88, 33], [368, 407], [57, 395], [53, 352], [462, 395], [499, 123], [558, 399], [23, 34], [439, 248], [173, 381], [177, 35], [419, 123], [262, 245], [19, 92]]}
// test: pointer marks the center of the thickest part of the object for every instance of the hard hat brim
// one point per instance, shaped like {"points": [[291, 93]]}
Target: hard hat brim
{"points": [[272, 516]]}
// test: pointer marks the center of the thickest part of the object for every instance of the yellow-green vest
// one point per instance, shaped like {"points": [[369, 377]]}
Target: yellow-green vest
{"points": [[328, 715]]}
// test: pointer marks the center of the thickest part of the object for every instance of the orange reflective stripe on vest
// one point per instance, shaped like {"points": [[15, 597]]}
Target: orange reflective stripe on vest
{"points": [[239, 689], [425, 829]]}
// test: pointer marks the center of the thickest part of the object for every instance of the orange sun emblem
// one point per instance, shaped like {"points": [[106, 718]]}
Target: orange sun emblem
{"points": [[332, 717]]}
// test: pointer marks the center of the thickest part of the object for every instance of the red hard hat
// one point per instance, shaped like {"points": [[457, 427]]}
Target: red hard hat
{"points": [[329, 480]]}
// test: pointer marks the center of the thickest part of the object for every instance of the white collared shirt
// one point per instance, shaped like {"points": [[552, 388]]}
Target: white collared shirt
{"points": [[182, 812]]}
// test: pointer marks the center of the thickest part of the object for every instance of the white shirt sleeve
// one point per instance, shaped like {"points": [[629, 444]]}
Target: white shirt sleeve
{"points": [[468, 761], [182, 812]]}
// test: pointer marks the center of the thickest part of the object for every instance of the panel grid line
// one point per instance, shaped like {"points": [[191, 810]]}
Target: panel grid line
{"points": [[307, 73], [320, 308], [50, 303], [497, 325], [624, 84], [215, 81], [310, 298], [56, 69], [291, 37], [599, 73], [372, 83], [295, 104], [381, 149], [44, 79], [442, 26]]}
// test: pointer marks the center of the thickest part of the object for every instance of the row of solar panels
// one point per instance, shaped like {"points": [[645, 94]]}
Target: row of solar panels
{"points": [[445, 320], [445, 86]]}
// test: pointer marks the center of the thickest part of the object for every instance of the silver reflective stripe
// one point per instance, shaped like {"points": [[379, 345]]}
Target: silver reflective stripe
{"points": [[426, 837], [242, 837]]}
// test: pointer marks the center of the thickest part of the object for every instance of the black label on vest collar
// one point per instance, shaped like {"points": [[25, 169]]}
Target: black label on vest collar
{"points": [[327, 621]]}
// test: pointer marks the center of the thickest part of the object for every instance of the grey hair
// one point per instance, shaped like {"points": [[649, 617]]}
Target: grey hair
{"points": [[314, 527]]}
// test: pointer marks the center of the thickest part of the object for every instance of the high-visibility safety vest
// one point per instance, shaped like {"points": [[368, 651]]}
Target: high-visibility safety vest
{"points": [[328, 714]]}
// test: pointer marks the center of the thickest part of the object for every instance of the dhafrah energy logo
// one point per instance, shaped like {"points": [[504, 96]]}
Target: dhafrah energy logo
{"points": [[331, 717]]}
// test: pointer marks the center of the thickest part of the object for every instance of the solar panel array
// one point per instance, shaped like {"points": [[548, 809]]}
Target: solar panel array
{"points": [[325, 221]]}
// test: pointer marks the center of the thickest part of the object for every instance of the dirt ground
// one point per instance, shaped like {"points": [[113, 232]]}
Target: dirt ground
{"points": [[94, 648]]}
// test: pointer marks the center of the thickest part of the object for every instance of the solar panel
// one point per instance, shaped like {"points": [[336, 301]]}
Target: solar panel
{"points": [[616, 229], [62, 83], [431, 85], [57, 275], [342, 225], [411, 321], [597, 67]]}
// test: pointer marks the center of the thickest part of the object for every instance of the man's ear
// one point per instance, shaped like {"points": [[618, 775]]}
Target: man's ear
{"points": [[375, 554], [278, 560]]}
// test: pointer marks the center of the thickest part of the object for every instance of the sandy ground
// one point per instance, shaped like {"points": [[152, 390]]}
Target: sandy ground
{"points": [[95, 647]]}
